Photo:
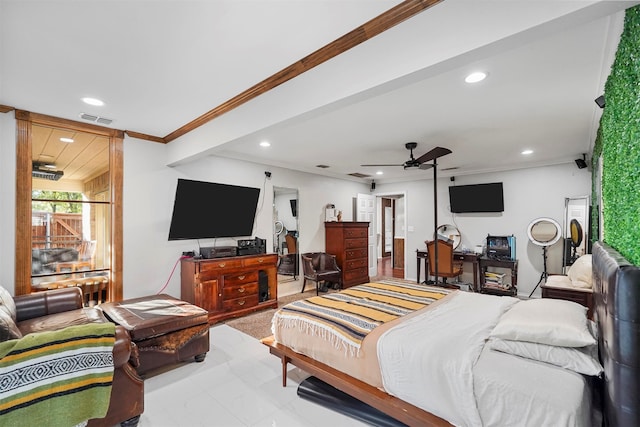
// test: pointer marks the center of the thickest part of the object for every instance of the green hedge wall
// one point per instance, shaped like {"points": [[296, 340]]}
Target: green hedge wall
{"points": [[618, 142]]}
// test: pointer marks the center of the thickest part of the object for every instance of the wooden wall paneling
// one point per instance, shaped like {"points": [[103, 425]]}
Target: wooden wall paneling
{"points": [[23, 204]]}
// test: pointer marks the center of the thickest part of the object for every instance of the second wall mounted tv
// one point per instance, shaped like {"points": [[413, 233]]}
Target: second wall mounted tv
{"points": [[208, 210], [476, 198]]}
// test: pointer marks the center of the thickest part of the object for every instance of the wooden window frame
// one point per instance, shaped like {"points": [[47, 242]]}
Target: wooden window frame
{"points": [[24, 122]]}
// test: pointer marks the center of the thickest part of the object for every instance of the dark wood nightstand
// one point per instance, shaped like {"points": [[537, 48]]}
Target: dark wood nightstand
{"points": [[579, 295]]}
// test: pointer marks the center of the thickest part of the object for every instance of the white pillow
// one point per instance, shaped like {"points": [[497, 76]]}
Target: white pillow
{"points": [[581, 273], [546, 321], [583, 360]]}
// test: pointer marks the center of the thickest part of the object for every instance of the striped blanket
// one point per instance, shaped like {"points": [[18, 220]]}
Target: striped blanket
{"points": [[345, 318], [57, 378]]}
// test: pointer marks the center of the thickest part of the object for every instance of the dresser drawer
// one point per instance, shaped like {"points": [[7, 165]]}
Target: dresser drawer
{"points": [[240, 303], [355, 243], [239, 291], [355, 253], [356, 232], [215, 265], [240, 278], [356, 274], [355, 263], [261, 260]]}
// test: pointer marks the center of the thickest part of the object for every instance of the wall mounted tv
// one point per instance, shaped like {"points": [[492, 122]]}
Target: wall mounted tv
{"points": [[476, 198], [208, 210]]}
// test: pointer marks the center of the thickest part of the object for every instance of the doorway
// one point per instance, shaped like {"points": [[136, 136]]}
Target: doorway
{"points": [[285, 239], [391, 232]]}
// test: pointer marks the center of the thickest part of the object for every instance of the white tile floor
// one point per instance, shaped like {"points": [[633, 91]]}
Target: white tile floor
{"points": [[238, 384]]}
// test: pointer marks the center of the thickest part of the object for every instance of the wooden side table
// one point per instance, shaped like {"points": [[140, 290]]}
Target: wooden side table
{"points": [[582, 296]]}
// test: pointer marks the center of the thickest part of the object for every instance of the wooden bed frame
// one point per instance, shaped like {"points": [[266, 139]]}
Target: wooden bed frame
{"points": [[390, 405], [617, 305]]}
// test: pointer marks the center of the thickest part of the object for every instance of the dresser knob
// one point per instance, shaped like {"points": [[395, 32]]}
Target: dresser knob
{"points": [[222, 264], [241, 277], [241, 302], [241, 290]]}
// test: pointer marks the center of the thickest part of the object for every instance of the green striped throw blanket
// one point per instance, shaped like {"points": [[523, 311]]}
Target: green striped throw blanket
{"points": [[57, 378]]}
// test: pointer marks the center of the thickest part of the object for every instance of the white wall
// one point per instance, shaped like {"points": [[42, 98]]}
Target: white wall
{"points": [[149, 190], [7, 200], [528, 194]]}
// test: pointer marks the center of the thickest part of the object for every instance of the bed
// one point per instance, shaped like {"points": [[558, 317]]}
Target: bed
{"points": [[489, 388]]}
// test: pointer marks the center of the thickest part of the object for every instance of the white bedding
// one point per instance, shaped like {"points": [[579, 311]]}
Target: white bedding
{"points": [[434, 370], [455, 376], [512, 391]]}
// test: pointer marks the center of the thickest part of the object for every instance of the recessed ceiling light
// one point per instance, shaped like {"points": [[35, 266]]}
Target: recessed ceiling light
{"points": [[527, 152], [475, 77], [379, 173], [93, 101], [265, 144], [67, 140]]}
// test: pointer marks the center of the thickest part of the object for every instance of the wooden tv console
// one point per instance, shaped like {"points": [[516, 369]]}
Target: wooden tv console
{"points": [[230, 287]]}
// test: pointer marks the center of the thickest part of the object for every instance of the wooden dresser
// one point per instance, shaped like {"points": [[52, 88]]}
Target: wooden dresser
{"points": [[348, 241], [230, 287]]}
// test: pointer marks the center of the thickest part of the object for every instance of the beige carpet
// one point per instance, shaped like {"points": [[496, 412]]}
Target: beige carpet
{"points": [[258, 325]]}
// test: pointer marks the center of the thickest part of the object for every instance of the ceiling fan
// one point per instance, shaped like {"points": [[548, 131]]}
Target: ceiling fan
{"points": [[420, 162]]}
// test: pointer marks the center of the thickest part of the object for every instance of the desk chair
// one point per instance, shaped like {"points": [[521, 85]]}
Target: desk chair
{"points": [[447, 267]]}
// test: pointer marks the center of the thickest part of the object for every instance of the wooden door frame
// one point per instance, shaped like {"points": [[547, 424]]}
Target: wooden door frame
{"points": [[383, 205], [24, 122]]}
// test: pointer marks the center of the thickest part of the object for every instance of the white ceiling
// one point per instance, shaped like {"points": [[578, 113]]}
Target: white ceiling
{"points": [[160, 64]]}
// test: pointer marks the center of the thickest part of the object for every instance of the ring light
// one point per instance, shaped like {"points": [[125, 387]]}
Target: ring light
{"points": [[544, 231]]}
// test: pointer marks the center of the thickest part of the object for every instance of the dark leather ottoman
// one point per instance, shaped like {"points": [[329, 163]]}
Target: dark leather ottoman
{"points": [[165, 329]]}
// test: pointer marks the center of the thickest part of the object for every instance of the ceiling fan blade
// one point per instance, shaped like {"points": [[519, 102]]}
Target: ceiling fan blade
{"points": [[383, 165], [433, 154], [424, 166]]}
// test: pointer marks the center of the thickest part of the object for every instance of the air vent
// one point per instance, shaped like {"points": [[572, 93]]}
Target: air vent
{"points": [[95, 119], [359, 175], [104, 121], [40, 171], [322, 166]]}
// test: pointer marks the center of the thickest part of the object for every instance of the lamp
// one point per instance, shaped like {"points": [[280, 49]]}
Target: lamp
{"points": [[543, 232]]}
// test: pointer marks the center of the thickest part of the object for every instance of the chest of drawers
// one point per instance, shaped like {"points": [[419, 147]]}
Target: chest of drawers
{"points": [[348, 241]]}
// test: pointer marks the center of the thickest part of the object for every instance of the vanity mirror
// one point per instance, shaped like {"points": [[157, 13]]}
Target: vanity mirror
{"points": [[451, 232]]}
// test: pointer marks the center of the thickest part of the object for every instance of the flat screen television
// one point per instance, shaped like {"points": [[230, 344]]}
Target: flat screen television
{"points": [[204, 210], [476, 198]]}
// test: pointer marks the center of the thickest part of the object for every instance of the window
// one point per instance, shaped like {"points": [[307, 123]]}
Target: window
{"points": [[68, 207]]}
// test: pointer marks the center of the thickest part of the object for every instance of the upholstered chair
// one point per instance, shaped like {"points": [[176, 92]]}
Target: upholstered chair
{"points": [[321, 267]]}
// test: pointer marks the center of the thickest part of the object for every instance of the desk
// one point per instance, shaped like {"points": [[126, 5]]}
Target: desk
{"points": [[459, 256]]}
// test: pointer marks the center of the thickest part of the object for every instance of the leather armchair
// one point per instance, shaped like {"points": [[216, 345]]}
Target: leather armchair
{"points": [[60, 308], [321, 267]]}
